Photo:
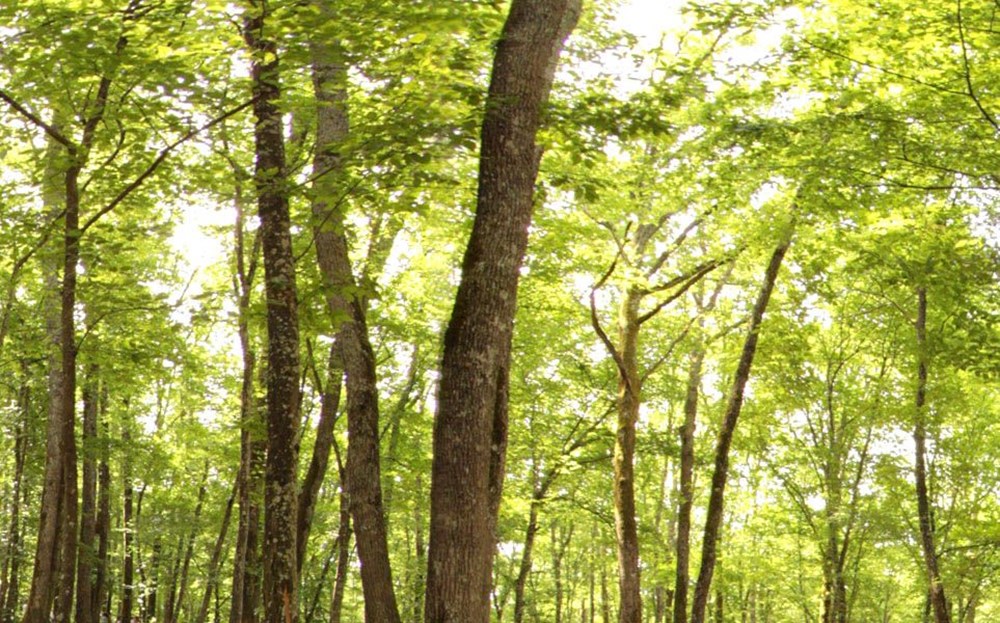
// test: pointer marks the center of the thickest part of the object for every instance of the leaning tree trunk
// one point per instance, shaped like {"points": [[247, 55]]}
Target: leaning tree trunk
{"points": [[363, 469], [713, 522], [939, 605], [212, 584], [470, 430], [270, 176]]}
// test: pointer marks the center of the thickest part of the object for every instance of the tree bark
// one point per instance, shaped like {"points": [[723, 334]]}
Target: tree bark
{"points": [[363, 470], [270, 177], [939, 604], [470, 429], [713, 521]]}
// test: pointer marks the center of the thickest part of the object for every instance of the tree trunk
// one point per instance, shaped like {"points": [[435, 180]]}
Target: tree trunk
{"points": [[525, 567], [682, 578], [103, 527], [88, 510], [939, 605], [270, 177], [470, 430], [212, 583], [321, 451], [43, 588], [713, 521], [125, 613], [629, 399], [9, 591], [189, 551], [343, 559], [363, 469]]}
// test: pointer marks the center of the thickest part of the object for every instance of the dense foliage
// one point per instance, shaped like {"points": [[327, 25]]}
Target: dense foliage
{"points": [[682, 148]]}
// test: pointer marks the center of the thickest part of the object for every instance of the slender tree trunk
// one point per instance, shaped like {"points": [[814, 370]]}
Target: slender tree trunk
{"points": [[175, 576], [103, 527], [192, 535], [939, 605], [626, 528], [363, 469], [212, 583], [682, 578], [46, 551], [88, 510], [128, 564], [470, 429], [321, 451], [9, 590], [420, 555], [343, 559], [525, 567], [280, 490], [713, 522], [248, 476]]}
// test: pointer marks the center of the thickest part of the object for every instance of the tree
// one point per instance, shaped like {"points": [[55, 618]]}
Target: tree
{"points": [[281, 602], [470, 428]]}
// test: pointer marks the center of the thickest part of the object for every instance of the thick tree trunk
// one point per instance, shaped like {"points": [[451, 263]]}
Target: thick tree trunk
{"points": [[281, 481], [939, 605], [363, 469], [713, 522], [470, 429], [682, 578]]}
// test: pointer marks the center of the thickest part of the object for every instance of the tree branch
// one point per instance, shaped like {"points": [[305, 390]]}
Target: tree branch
{"points": [[155, 164]]}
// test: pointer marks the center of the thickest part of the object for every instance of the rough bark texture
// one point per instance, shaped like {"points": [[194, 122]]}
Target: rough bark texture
{"points": [[470, 427], [713, 521], [280, 592], [363, 469], [938, 602]]}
